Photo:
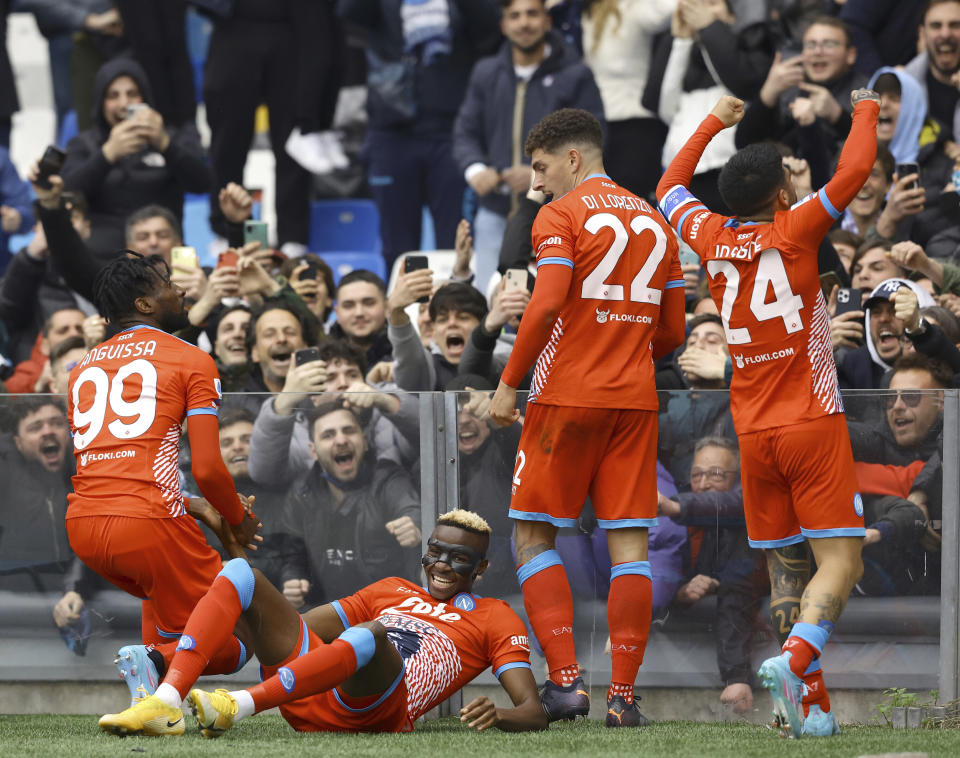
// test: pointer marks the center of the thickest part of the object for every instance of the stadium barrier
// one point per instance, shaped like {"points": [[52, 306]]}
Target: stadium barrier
{"points": [[447, 455]]}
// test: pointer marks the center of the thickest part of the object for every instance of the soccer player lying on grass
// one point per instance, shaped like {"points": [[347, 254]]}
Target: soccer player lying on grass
{"points": [[371, 662]]}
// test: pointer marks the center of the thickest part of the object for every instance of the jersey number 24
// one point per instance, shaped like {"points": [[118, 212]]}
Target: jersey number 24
{"points": [[770, 271]]}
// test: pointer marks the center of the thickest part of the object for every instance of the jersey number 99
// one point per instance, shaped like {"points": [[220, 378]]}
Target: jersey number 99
{"points": [[107, 392]]}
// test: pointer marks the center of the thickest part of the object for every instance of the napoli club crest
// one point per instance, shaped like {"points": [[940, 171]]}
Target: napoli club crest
{"points": [[464, 602]]}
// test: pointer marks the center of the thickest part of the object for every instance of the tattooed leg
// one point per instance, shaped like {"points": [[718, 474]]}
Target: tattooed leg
{"points": [[533, 538], [839, 568], [789, 569]]}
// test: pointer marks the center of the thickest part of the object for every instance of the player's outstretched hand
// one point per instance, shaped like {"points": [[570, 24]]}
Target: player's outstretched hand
{"points": [[479, 714], [729, 110], [503, 409], [860, 95]]}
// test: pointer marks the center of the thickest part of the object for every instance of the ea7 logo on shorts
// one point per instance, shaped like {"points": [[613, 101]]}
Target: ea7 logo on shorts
{"points": [[287, 680], [858, 504]]}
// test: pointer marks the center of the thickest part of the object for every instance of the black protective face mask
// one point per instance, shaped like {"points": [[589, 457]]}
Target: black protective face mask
{"points": [[446, 553]]}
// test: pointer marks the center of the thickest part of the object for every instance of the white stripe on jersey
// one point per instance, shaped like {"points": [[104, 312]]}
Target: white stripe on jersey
{"points": [[166, 471], [823, 369], [541, 371]]}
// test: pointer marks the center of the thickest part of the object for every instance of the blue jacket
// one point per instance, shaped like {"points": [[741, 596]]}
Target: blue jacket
{"points": [[483, 132], [15, 193]]}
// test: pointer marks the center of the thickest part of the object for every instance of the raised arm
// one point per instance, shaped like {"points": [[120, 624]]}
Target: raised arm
{"points": [[853, 169], [726, 113]]}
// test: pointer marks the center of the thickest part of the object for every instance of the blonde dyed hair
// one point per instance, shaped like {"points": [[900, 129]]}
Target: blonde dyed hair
{"points": [[464, 519]]}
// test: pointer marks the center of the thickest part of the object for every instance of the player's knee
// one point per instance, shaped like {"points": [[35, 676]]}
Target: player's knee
{"points": [[536, 564], [365, 639], [242, 577]]}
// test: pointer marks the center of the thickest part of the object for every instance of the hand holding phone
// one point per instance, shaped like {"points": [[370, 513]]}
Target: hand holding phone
{"points": [[517, 279], [306, 355], [227, 258], [416, 263], [848, 299], [255, 231], [50, 165], [906, 169], [184, 255]]}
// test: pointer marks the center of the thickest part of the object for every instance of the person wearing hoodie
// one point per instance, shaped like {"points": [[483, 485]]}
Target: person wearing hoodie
{"points": [[864, 368], [935, 67], [129, 158], [534, 74], [490, 343], [912, 210]]}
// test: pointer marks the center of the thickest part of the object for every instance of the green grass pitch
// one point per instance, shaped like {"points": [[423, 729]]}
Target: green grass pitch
{"points": [[78, 736]]}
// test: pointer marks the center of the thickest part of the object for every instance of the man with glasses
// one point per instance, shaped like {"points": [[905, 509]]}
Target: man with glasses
{"points": [[822, 74], [720, 560], [899, 471], [704, 364]]}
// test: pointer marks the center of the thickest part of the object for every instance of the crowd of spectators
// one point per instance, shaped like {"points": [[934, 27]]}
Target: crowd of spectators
{"points": [[321, 416]]}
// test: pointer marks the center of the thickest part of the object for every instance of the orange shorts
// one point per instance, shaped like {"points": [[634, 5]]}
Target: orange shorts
{"points": [[331, 711], [165, 561], [799, 482], [567, 453]]}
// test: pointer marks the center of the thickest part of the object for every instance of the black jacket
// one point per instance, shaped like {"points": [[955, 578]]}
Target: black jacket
{"points": [[380, 349], [30, 293], [334, 568], [32, 516], [761, 122], [114, 191]]}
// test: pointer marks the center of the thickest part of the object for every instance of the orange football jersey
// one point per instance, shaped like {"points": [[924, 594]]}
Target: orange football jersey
{"points": [[623, 255], [127, 400], [764, 280], [444, 645]]}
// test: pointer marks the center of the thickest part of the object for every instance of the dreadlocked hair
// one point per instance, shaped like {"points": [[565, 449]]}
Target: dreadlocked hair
{"points": [[128, 276], [466, 520]]}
